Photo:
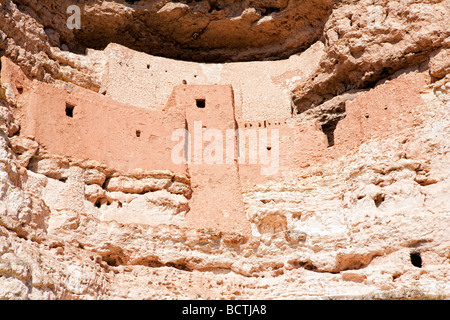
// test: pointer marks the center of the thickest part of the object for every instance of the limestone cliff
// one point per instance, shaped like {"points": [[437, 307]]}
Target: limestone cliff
{"points": [[93, 207]]}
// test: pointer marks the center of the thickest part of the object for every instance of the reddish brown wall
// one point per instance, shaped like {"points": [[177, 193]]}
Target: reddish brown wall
{"points": [[376, 114], [104, 130], [100, 129], [381, 112], [217, 195]]}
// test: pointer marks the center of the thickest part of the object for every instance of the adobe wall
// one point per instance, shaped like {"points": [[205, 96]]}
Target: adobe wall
{"points": [[261, 89], [125, 137], [383, 112], [84, 125], [121, 136], [217, 196]]}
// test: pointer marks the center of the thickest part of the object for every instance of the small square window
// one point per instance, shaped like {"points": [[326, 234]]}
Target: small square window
{"points": [[201, 103], [69, 110]]}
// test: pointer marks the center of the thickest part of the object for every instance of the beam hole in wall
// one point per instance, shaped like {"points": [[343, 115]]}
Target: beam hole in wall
{"points": [[378, 200], [69, 110], [328, 129], [138, 133], [17, 133], [19, 89], [416, 259], [201, 103], [214, 7], [63, 179], [270, 10]]}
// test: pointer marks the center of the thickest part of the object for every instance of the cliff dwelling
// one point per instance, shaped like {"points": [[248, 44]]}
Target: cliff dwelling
{"points": [[225, 150]]}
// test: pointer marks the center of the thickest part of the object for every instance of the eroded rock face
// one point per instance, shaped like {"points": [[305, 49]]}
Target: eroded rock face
{"points": [[359, 208], [367, 42], [190, 30]]}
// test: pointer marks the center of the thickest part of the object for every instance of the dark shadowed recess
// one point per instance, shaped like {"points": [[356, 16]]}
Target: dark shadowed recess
{"points": [[201, 30]]}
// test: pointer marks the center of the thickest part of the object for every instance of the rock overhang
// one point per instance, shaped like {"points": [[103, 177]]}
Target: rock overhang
{"points": [[202, 31]]}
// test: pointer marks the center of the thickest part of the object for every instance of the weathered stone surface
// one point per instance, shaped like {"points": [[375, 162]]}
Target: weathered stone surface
{"points": [[440, 63], [199, 30], [361, 194]]}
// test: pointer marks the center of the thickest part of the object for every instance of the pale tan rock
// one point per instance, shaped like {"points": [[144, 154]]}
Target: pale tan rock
{"points": [[439, 63], [125, 184], [94, 176], [173, 10], [24, 148], [363, 187]]}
